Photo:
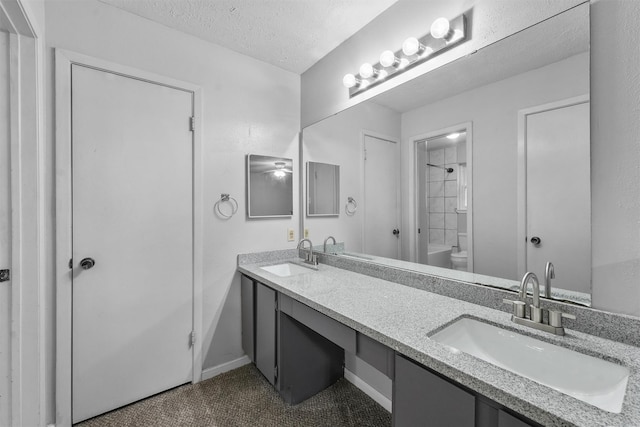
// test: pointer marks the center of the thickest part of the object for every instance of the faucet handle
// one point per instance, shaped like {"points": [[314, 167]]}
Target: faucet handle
{"points": [[555, 317], [519, 307]]}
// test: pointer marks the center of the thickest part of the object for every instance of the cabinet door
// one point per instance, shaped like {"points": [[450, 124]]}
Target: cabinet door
{"points": [[507, 420], [247, 291], [421, 398], [265, 327]]}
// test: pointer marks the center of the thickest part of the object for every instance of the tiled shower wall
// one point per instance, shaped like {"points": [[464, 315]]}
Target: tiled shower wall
{"points": [[443, 196]]}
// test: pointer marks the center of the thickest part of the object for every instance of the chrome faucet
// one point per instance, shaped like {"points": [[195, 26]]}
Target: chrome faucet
{"points": [[326, 240], [549, 274], [309, 258], [536, 318], [536, 311]]}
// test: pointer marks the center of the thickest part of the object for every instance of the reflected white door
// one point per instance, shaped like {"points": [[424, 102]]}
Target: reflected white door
{"points": [[5, 234], [381, 190], [132, 214], [558, 195]]}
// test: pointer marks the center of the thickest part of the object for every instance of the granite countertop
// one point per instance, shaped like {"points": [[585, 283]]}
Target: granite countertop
{"points": [[403, 318]]}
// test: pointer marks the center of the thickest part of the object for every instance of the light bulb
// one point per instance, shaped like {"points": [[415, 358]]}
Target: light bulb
{"points": [[411, 46], [440, 28], [349, 81], [367, 70], [279, 174], [388, 59]]}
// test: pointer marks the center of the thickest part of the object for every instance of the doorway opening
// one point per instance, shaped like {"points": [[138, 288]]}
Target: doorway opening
{"points": [[443, 197]]}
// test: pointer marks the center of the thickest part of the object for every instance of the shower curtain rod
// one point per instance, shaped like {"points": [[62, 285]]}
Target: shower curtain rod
{"points": [[449, 170]]}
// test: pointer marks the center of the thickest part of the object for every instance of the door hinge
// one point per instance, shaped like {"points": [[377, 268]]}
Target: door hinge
{"points": [[276, 304], [70, 263], [192, 123], [5, 275], [275, 372], [192, 338]]}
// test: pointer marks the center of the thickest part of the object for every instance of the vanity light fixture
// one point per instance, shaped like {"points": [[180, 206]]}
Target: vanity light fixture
{"points": [[412, 46], [367, 71], [441, 29], [389, 59], [349, 81], [443, 34]]}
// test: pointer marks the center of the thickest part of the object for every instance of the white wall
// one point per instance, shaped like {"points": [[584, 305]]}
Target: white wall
{"points": [[322, 91], [615, 155], [248, 107], [338, 141], [493, 110]]}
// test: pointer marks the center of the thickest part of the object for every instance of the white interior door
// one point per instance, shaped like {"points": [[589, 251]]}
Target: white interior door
{"points": [[381, 184], [5, 234], [132, 214], [558, 200]]}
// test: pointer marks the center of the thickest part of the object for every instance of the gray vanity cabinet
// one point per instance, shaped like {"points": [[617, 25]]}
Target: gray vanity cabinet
{"points": [[265, 331], [284, 343], [247, 291], [421, 398]]}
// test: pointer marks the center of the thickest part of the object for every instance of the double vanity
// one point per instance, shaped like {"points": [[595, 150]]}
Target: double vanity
{"points": [[452, 361]]}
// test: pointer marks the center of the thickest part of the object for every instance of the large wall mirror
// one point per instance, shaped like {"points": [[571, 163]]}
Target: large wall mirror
{"points": [[478, 170], [269, 186]]}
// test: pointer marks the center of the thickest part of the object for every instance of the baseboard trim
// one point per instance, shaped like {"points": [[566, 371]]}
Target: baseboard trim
{"points": [[225, 367], [368, 390]]}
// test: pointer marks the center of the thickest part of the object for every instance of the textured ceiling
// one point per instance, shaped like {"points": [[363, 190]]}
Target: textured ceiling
{"points": [[290, 34]]}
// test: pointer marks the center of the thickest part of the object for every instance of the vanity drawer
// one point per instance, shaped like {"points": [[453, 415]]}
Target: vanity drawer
{"points": [[375, 354], [333, 330]]}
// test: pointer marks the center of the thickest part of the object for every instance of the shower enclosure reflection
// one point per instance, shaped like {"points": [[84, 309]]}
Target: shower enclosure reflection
{"points": [[442, 199]]}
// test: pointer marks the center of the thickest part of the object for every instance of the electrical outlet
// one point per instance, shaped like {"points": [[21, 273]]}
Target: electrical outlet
{"points": [[291, 236], [306, 233]]}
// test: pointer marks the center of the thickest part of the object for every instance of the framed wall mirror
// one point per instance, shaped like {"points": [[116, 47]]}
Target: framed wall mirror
{"points": [[492, 217], [269, 186], [323, 189]]}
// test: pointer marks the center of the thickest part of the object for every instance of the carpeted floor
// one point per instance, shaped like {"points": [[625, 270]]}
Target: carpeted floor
{"points": [[243, 397]]}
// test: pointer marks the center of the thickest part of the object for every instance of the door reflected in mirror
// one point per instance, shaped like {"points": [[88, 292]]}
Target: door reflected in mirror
{"points": [[269, 186], [323, 189]]}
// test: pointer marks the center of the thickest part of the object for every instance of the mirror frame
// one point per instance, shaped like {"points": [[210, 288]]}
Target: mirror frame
{"points": [[248, 187], [336, 191]]}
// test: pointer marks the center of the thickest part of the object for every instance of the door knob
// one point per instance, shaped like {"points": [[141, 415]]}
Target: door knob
{"points": [[536, 240], [396, 231], [87, 263]]}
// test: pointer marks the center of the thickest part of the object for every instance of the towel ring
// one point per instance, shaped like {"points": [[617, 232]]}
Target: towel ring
{"points": [[351, 207], [225, 198]]}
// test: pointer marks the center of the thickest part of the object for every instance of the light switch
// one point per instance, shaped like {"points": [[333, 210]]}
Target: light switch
{"points": [[306, 233], [291, 235]]}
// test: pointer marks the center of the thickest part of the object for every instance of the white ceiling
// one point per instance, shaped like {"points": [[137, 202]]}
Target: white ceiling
{"points": [[290, 34]]}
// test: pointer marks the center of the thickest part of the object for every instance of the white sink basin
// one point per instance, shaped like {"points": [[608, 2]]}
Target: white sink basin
{"points": [[592, 380], [287, 269]]}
